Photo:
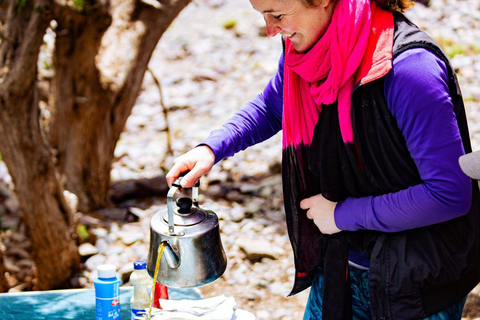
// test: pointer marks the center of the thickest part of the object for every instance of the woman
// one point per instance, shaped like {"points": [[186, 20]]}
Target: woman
{"points": [[383, 223]]}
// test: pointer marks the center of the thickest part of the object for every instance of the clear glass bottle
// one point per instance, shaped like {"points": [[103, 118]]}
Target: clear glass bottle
{"points": [[140, 301]]}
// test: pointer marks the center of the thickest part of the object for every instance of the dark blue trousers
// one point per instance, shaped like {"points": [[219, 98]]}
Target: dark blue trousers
{"points": [[361, 301]]}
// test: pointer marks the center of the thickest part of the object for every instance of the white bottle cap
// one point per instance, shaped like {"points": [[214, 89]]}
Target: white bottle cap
{"points": [[107, 271]]}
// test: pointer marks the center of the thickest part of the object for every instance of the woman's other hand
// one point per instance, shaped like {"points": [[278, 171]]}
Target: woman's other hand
{"points": [[199, 161], [321, 211]]}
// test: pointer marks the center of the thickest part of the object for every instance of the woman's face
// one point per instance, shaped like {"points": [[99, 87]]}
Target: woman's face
{"points": [[303, 25]]}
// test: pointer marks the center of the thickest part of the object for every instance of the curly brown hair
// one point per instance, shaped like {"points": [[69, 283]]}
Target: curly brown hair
{"points": [[395, 5], [389, 5]]}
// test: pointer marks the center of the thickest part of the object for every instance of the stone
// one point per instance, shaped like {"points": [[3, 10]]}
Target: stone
{"points": [[216, 175], [129, 238], [279, 288], [100, 232], [21, 287], [216, 191], [279, 313], [114, 213], [18, 237], [254, 206], [8, 222], [130, 234], [18, 253], [256, 250], [87, 250], [263, 314], [71, 199], [11, 203], [125, 271], [115, 250], [138, 212], [25, 263], [102, 246], [94, 261], [237, 213], [10, 265], [249, 188], [89, 220]]}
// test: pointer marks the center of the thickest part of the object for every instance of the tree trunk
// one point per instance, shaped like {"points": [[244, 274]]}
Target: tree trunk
{"points": [[28, 158], [101, 55], [100, 69], [3, 280]]}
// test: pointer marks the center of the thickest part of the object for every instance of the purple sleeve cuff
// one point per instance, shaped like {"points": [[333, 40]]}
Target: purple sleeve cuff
{"points": [[350, 214]]}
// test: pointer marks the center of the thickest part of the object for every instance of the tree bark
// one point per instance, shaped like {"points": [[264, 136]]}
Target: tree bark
{"points": [[3, 280], [30, 163], [100, 63]]}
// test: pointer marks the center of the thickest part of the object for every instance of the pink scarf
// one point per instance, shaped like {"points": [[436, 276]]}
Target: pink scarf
{"points": [[357, 46]]}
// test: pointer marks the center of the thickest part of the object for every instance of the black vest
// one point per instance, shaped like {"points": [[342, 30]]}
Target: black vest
{"points": [[413, 273]]}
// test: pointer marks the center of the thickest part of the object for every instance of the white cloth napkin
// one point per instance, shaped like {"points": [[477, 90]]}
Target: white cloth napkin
{"points": [[216, 308]]}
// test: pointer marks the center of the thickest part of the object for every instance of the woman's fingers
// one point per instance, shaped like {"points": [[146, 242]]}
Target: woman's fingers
{"points": [[199, 161]]}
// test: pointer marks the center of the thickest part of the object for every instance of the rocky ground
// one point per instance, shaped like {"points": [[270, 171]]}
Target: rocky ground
{"points": [[213, 58]]}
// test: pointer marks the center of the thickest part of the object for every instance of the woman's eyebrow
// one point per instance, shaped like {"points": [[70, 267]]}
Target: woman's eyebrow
{"points": [[269, 11]]}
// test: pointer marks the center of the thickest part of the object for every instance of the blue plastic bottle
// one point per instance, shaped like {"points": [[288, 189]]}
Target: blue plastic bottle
{"points": [[107, 293]]}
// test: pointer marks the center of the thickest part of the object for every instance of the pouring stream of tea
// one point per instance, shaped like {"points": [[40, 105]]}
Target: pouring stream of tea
{"points": [[155, 275]]}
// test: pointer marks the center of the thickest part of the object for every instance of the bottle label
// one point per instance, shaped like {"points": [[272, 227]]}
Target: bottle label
{"points": [[138, 314], [107, 308]]}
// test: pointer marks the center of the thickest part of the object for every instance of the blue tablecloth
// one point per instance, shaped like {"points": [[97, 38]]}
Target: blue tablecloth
{"points": [[69, 304]]}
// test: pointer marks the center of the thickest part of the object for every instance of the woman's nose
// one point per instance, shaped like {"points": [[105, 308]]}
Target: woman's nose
{"points": [[272, 28]]}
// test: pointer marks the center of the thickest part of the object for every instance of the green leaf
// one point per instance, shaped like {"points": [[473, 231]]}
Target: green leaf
{"points": [[230, 24], [82, 232]]}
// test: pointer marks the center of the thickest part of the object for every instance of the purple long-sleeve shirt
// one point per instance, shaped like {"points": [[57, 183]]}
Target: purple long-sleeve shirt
{"points": [[416, 90]]}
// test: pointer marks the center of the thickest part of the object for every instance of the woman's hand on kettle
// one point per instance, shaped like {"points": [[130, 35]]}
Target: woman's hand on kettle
{"points": [[321, 211], [199, 161]]}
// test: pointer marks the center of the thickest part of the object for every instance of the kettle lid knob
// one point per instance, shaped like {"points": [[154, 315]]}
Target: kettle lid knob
{"points": [[185, 205]]}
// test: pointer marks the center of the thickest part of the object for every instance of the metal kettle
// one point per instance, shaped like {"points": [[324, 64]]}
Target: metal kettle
{"points": [[193, 255]]}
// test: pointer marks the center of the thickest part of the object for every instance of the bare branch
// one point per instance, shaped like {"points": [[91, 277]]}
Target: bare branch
{"points": [[164, 111]]}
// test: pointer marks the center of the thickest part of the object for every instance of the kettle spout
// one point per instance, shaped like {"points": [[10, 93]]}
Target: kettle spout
{"points": [[173, 258]]}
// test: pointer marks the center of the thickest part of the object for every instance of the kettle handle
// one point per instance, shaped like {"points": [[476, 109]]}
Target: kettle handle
{"points": [[175, 187], [177, 182]]}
